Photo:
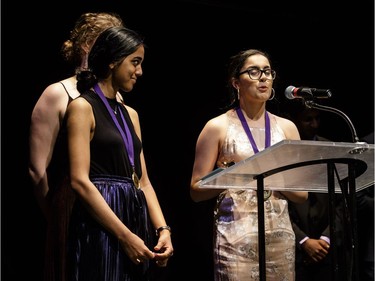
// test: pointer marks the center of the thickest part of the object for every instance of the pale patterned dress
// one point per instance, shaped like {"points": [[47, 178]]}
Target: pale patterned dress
{"points": [[236, 217]]}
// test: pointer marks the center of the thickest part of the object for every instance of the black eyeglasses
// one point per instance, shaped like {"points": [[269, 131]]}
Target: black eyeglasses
{"points": [[256, 73]]}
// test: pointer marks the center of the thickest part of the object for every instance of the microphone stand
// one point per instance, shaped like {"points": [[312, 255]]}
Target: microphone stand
{"points": [[353, 268], [312, 104]]}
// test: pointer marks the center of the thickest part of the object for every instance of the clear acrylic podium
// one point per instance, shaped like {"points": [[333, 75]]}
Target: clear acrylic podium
{"points": [[313, 166]]}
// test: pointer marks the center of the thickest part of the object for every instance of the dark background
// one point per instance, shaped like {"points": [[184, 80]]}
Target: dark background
{"points": [[320, 44]]}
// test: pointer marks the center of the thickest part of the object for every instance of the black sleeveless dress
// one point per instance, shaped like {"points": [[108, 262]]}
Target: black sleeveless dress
{"points": [[94, 254]]}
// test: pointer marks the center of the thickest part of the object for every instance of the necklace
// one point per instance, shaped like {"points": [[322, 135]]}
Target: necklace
{"points": [[267, 193], [113, 105]]}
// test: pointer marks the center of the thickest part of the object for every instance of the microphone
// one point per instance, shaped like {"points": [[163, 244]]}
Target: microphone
{"points": [[306, 93]]}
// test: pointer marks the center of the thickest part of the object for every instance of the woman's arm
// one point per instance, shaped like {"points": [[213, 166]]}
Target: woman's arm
{"points": [[206, 154], [46, 119], [80, 125], [164, 246]]}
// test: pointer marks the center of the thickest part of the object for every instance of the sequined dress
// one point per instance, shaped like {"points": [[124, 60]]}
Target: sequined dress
{"points": [[236, 217]]}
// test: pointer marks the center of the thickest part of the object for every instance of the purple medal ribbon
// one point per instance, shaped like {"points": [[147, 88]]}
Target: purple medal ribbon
{"points": [[266, 193], [248, 132], [128, 140]]}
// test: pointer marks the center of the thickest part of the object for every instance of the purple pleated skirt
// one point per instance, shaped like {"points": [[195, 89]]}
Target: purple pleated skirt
{"points": [[95, 254]]}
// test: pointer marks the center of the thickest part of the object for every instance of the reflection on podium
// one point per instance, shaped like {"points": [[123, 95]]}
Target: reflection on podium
{"points": [[314, 166], [310, 177]]}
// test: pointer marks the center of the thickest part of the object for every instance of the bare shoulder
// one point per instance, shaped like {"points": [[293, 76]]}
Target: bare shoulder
{"points": [[79, 105], [284, 121], [219, 121], [80, 117], [132, 112], [54, 93], [70, 87], [216, 126], [289, 128], [52, 102], [61, 90], [135, 119]]}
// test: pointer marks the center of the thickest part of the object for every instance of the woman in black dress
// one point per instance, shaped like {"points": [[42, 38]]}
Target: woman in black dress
{"points": [[113, 223]]}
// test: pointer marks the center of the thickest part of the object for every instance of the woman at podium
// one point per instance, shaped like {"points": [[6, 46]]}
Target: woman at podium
{"points": [[243, 130]]}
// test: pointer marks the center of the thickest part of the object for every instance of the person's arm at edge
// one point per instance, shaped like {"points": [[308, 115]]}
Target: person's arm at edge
{"points": [[44, 128], [206, 154]]}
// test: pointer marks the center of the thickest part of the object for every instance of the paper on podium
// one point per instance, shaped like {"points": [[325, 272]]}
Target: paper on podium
{"points": [[312, 177]]}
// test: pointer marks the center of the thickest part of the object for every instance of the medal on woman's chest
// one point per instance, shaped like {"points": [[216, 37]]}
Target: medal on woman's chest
{"points": [[267, 194], [136, 179]]}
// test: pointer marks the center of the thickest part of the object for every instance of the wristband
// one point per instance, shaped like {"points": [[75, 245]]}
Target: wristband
{"points": [[160, 229]]}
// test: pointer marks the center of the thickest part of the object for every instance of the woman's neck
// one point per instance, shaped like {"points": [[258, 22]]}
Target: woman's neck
{"points": [[107, 90], [253, 112]]}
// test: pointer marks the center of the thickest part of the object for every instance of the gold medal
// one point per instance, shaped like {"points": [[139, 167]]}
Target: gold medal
{"points": [[136, 180], [267, 194]]}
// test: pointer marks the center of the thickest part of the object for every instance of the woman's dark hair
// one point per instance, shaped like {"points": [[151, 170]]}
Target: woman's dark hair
{"points": [[112, 46], [236, 62]]}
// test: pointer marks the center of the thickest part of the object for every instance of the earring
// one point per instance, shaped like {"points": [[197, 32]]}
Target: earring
{"points": [[238, 94], [272, 94]]}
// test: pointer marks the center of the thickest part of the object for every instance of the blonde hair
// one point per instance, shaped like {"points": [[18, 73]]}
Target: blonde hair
{"points": [[86, 29]]}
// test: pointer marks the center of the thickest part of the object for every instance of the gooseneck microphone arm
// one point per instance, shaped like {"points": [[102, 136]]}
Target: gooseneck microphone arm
{"points": [[312, 104]]}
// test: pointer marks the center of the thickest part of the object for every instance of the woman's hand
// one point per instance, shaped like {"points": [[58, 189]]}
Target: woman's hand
{"points": [[164, 248]]}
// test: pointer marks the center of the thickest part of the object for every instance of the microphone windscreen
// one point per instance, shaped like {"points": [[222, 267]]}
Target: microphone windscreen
{"points": [[289, 92]]}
